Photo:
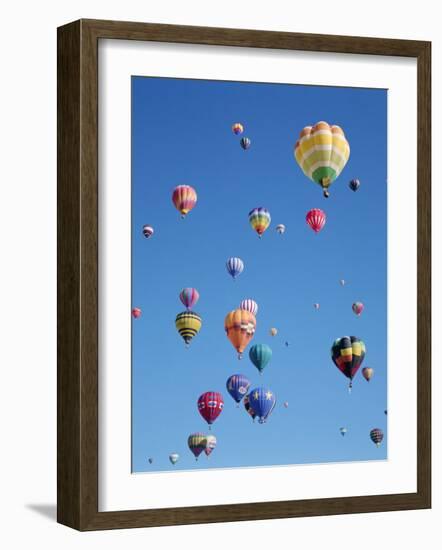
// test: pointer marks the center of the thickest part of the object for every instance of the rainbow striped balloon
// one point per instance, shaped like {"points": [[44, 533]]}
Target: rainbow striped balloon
{"points": [[322, 151], [259, 219]]}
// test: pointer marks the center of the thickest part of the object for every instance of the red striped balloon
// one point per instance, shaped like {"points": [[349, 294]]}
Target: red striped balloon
{"points": [[210, 405], [249, 305], [358, 308], [316, 219], [189, 297], [184, 198]]}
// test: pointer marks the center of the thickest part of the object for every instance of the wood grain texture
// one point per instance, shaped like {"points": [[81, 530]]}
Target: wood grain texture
{"points": [[78, 274]]}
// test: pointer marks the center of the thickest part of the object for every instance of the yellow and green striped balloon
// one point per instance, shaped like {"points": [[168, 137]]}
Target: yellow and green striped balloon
{"points": [[322, 151]]}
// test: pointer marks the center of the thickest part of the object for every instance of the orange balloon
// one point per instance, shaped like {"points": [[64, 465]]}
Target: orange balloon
{"points": [[240, 326]]}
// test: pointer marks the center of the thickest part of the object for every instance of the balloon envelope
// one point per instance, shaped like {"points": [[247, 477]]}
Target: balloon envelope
{"points": [[189, 297], [280, 228], [322, 152], [249, 305], [367, 373], [354, 184], [148, 231], [210, 405], [173, 457], [237, 385], [316, 219], [240, 326], [210, 444], [248, 407], [245, 143], [234, 266], [259, 219], [188, 324], [358, 308], [347, 354], [237, 128], [376, 435], [136, 312], [197, 443], [260, 355], [262, 400], [184, 198]]}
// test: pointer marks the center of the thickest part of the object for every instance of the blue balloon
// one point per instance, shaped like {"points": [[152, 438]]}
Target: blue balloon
{"points": [[263, 401], [354, 184], [235, 266], [237, 385]]}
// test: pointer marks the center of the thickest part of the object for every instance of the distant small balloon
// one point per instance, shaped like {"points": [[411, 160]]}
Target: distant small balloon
{"points": [[343, 431], [245, 143], [237, 128], [286, 404], [367, 373], [287, 344], [273, 331], [173, 457], [385, 412], [136, 312], [342, 282], [148, 231], [150, 460], [358, 308], [280, 228], [234, 266], [376, 435], [316, 306], [354, 184], [210, 444]]}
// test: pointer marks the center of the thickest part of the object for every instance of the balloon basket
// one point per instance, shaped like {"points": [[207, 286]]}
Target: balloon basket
{"points": [[239, 356]]}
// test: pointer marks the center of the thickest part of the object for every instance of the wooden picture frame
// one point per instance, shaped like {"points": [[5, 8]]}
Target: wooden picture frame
{"points": [[78, 274]]}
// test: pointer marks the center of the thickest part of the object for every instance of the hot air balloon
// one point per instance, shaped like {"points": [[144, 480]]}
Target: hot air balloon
{"points": [[240, 326], [148, 231], [287, 344], [184, 198], [322, 152], [245, 143], [280, 228], [262, 400], [189, 297], [376, 435], [342, 282], [188, 324], [367, 373], [286, 404], [385, 412], [316, 219], [136, 312], [260, 355], [234, 266], [173, 457], [248, 407], [347, 354], [150, 460], [249, 305], [210, 404], [357, 308], [237, 128], [259, 219], [316, 306], [210, 444], [196, 443], [354, 184], [237, 386], [343, 431], [273, 331]]}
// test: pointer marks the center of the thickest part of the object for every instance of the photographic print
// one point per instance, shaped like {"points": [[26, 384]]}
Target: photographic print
{"points": [[259, 274]]}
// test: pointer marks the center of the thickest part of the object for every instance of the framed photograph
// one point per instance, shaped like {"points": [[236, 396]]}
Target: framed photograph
{"points": [[243, 275]]}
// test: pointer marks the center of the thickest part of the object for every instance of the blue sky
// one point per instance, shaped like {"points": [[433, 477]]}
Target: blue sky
{"points": [[181, 134]]}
